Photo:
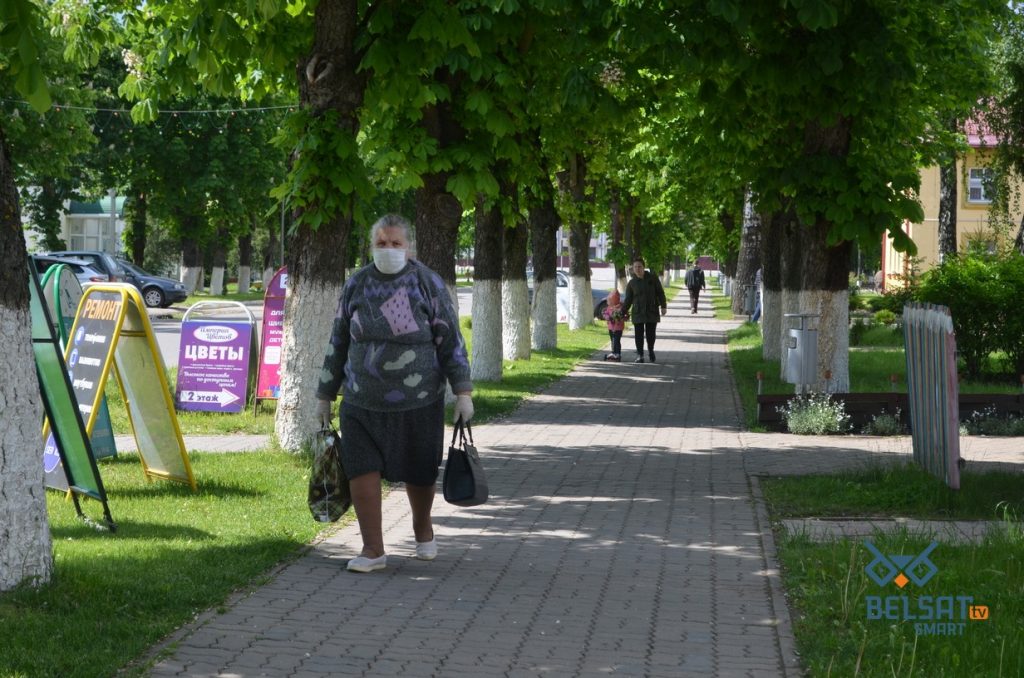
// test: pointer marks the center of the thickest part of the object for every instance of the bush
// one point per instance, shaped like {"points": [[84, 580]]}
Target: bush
{"points": [[815, 414], [885, 317], [884, 424], [988, 422], [970, 286]]}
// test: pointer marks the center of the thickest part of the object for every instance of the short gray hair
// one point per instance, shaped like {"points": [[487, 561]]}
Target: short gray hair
{"points": [[395, 221]]}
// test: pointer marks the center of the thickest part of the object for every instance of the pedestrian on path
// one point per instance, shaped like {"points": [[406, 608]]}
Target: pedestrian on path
{"points": [[395, 343], [695, 283], [616, 324], [645, 296]]}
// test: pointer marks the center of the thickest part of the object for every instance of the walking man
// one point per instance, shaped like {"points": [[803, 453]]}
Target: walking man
{"points": [[695, 283]]}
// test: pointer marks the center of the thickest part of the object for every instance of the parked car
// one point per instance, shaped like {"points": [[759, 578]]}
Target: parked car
{"points": [[562, 296], [104, 262], [157, 291], [80, 267]]}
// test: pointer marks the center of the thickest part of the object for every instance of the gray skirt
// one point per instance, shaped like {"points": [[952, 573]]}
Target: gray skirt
{"points": [[404, 447]]}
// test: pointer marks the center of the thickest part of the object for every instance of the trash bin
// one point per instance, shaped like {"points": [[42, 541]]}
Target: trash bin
{"points": [[749, 299], [801, 352]]}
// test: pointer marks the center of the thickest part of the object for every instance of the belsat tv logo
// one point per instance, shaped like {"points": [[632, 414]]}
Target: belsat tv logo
{"points": [[942, 615]]}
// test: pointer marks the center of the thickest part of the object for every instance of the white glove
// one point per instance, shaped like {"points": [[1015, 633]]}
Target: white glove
{"points": [[463, 408], [323, 413]]}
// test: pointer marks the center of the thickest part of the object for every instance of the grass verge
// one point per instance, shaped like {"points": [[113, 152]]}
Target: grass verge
{"points": [[840, 631], [843, 621], [903, 490], [175, 554]]}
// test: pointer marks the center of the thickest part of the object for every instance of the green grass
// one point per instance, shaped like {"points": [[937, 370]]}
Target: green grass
{"points": [[827, 588], [827, 584], [721, 304], [871, 370], [175, 554], [905, 490]]}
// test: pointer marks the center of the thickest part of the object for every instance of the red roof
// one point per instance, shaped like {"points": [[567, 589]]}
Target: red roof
{"points": [[978, 133]]}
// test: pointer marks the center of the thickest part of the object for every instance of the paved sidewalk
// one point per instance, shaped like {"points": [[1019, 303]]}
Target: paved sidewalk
{"points": [[621, 538]]}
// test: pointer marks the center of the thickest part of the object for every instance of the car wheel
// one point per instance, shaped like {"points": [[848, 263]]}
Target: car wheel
{"points": [[153, 296], [599, 311]]}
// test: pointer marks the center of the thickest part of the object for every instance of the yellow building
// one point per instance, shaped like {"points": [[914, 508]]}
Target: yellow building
{"points": [[974, 203]]}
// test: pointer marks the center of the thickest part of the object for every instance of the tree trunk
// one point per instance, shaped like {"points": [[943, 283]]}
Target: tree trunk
{"points": [[515, 328], [825, 290], [771, 283], [192, 274], [25, 551], [581, 305], [749, 257], [487, 308], [245, 260], [618, 233], [947, 201], [438, 211], [791, 267], [1018, 242], [544, 225], [329, 80], [438, 214], [220, 257], [138, 228]]}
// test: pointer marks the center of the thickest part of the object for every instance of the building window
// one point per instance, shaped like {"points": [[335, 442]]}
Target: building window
{"points": [[979, 186]]}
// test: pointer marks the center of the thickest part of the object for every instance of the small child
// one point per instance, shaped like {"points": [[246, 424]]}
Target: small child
{"points": [[616, 323]]}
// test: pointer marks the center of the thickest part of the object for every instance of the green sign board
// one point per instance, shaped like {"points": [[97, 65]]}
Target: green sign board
{"points": [[74, 458]]}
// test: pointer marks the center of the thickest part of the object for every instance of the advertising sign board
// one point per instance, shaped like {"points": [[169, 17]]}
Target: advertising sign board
{"points": [[213, 365], [268, 381]]}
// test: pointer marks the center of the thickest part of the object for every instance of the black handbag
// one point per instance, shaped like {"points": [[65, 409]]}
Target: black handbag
{"points": [[329, 496], [465, 483]]}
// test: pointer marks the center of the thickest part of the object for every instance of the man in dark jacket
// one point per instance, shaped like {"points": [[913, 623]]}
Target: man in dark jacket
{"points": [[645, 296], [695, 283]]}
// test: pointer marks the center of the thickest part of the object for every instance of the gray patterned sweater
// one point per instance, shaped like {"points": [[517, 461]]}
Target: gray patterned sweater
{"points": [[395, 341]]}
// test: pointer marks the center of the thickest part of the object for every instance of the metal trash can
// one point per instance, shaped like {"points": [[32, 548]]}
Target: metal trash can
{"points": [[801, 352], [749, 299]]}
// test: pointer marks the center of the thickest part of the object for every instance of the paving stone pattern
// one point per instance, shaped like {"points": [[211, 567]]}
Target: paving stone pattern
{"points": [[621, 538]]}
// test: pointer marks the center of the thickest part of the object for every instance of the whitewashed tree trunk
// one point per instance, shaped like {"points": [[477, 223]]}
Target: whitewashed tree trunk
{"points": [[790, 304], [308, 319], [453, 292], [620, 284], [25, 549], [771, 324], [485, 364], [833, 337], [515, 320], [268, 275], [545, 316], [581, 303], [244, 275], [192, 278], [217, 280]]}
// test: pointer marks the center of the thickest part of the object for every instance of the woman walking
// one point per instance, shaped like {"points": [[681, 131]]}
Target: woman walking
{"points": [[645, 295], [395, 344]]}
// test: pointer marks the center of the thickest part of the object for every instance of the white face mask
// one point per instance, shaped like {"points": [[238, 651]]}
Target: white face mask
{"points": [[389, 260]]}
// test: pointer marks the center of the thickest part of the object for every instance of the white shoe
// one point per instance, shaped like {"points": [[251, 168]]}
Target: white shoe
{"points": [[426, 550], [364, 564]]}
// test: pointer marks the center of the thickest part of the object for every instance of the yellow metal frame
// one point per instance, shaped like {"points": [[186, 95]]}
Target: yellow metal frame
{"points": [[130, 294]]}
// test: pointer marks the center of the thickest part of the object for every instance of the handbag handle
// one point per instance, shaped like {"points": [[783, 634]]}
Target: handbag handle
{"points": [[457, 430]]}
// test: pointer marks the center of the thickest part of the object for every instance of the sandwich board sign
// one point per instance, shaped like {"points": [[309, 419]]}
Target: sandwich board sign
{"points": [[215, 359], [268, 378], [62, 292], [112, 332], [68, 461]]}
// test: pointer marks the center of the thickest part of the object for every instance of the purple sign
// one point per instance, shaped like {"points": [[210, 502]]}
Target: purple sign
{"points": [[213, 366], [268, 381]]}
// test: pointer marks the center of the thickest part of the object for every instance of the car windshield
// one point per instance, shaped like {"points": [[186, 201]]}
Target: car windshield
{"points": [[130, 267]]}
